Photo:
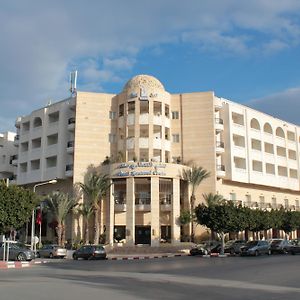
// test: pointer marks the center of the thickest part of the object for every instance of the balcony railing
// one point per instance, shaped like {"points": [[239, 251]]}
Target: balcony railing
{"points": [[69, 167], [70, 144], [219, 121], [221, 168], [71, 121], [219, 144]]}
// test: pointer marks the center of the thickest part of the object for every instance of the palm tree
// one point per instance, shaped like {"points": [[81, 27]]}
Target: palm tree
{"points": [[59, 205], [86, 210], [213, 199], [194, 176], [95, 188]]}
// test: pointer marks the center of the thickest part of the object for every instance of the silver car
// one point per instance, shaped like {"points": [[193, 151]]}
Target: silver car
{"points": [[52, 251], [17, 252], [256, 248]]}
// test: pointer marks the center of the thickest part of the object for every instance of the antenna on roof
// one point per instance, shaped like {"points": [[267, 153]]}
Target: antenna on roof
{"points": [[73, 83]]}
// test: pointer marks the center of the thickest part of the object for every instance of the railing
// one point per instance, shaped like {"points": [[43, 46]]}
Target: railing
{"points": [[221, 168], [219, 144], [70, 144], [219, 121], [120, 200], [143, 201], [69, 167], [71, 121], [17, 137]]}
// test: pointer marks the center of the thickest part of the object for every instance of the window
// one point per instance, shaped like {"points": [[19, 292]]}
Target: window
{"points": [[51, 161], [23, 167], [270, 169], [52, 139], [268, 128], [37, 122], [256, 144], [175, 115], [281, 151], [121, 110], [291, 136], [248, 200], [269, 148], [131, 107], [254, 124], [112, 115], [24, 147], [274, 202], [280, 132], [232, 196], [112, 138], [257, 166], [238, 119], [167, 110], [297, 204], [238, 140], [292, 154], [240, 163], [175, 138], [54, 117], [35, 164], [36, 143], [282, 171], [286, 203], [293, 173]]}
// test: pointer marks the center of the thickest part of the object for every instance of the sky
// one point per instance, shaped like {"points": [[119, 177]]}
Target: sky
{"points": [[244, 51]]}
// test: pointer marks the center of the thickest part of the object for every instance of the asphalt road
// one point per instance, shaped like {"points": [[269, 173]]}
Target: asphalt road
{"points": [[255, 278]]}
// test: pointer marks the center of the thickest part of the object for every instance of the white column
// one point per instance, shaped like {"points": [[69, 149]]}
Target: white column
{"points": [[111, 215], [175, 226], [155, 224], [130, 211]]}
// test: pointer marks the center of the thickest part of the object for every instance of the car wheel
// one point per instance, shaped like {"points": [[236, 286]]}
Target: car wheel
{"points": [[256, 253], [285, 251], [21, 257], [51, 255], [75, 257], [232, 252], [269, 252]]}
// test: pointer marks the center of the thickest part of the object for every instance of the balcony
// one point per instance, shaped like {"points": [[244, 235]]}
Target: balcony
{"points": [[120, 203], [18, 122], [218, 104], [14, 160], [220, 147], [69, 170], [71, 124], [165, 203], [219, 125], [143, 204], [220, 171], [70, 147], [16, 140]]}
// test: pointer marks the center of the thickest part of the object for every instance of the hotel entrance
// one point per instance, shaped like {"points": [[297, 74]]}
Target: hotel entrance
{"points": [[143, 235]]}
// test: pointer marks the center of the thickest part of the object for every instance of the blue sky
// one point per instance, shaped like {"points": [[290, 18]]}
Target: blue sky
{"points": [[245, 51]]}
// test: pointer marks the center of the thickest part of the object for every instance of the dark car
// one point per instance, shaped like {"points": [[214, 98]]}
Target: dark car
{"points": [[280, 246], [90, 252], [205, 248], [256, 248], [17, 252], [295, 247], [52, 251], [234, 246]]}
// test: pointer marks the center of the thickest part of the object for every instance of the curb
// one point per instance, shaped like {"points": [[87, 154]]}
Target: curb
{"points": [[19, 264], [145, 257]]}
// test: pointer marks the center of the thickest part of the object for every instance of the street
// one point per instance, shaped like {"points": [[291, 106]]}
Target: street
{"points": [[265, 277]]}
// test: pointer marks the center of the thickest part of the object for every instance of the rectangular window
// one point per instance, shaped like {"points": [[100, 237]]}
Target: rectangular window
{"points": [[53, 117], [51, 162], [175, 115], [112, 115], [112, 138], [121, 110], [52, 139], [175, 138], [35, 164], [167, 110]]}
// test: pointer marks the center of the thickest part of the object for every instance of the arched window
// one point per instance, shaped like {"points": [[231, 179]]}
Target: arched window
{"points": [[280, 132], [268, 128], [254, 124], [37, 122]]}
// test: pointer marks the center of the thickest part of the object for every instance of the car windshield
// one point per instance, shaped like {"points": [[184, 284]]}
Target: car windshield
{"points": [[276, 242], [252, 243], [99, 248], [229, 243]]}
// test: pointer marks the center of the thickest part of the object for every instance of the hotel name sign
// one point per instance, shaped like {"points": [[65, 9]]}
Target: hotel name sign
{"points": [[140, 169]]}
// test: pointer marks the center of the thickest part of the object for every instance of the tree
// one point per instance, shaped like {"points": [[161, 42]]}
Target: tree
{"points": [[222, 218], [95, 188], [194, 176], [213, 199], [86, 210], [59, 205], [290, 221], [16, 205]]}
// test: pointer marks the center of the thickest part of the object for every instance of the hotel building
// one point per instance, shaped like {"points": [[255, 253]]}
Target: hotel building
{"points": [[142, 138]]}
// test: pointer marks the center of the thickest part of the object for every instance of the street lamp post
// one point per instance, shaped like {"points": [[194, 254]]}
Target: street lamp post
{"points": [[33, 212]]}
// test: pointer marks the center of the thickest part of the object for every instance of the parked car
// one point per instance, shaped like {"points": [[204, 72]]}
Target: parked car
{"points": [[234, 246], [256, 248], [90, 252], [52, 251], [17, 252], [294, 247], [205, 248], [280, 246]]}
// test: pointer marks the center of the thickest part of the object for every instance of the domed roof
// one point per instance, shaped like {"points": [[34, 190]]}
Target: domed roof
{"points": [[145, 81]]}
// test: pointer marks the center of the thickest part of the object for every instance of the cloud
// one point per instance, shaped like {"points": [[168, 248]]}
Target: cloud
{"points": [[41, 42], [284, 105]]}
